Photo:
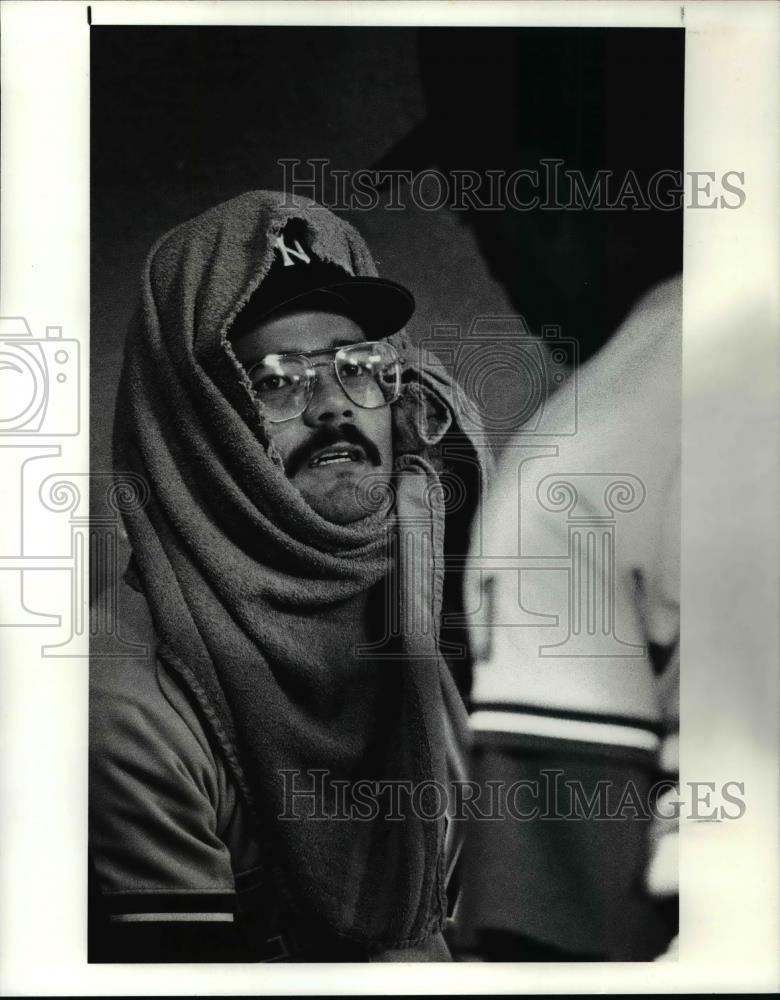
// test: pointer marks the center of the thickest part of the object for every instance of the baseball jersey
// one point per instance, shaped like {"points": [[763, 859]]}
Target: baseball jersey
{"points": [[574, 599], [178, 872]]}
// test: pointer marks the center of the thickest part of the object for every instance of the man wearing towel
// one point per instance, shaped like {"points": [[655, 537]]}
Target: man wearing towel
{"points": [[288, 577]]}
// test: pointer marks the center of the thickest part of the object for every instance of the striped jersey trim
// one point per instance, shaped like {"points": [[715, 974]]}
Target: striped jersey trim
{"points": [[559, 712], [512, 720], [137, 918], [170, 905]]}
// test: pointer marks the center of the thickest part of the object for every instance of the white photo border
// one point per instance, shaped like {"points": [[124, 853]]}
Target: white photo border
{"points": [[730, 878]]}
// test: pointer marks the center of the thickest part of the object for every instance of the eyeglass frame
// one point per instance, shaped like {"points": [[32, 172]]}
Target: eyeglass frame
{"points": [[311, 374]]}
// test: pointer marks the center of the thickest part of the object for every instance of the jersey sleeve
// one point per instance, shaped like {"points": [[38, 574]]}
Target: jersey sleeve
{"points": [[156, 856]]}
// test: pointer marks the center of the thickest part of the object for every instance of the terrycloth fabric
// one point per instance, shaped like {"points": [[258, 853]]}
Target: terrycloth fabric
{"points": [[241, 576]]}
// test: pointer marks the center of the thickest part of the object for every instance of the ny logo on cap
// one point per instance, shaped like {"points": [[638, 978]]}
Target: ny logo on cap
{"points": [[288, 254]]}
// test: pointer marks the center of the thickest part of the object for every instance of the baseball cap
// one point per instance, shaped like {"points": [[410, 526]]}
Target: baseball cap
{"points": [[297, 279]]}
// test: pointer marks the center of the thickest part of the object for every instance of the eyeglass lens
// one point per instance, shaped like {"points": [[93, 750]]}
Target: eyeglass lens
{"points": [[368, 373]]}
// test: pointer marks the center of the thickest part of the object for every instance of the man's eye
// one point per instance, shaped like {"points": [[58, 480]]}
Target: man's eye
{"points": [[350, 369], [271, 383]]}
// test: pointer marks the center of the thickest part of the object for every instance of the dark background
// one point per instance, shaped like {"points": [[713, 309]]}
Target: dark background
{"points": [[186, 117]]}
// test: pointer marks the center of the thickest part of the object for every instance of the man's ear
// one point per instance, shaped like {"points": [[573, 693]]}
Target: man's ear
{"points": [[422, 418], [434, 415]]}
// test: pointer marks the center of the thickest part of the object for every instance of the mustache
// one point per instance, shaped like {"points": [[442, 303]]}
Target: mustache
{"points": [[325, 436]]}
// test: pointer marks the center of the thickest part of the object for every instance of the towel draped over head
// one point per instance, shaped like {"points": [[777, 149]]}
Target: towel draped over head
{"points": [[242, 577]]}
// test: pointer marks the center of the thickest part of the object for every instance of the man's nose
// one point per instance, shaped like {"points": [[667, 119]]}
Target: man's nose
{"points": [[329, 403]]}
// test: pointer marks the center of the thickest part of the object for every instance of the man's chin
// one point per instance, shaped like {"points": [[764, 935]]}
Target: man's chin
{"points": [[343, 500], [341, 506]]}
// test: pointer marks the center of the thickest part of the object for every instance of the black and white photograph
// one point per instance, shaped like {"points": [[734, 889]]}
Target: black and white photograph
{"points": [[307, 445], [399, 526]]}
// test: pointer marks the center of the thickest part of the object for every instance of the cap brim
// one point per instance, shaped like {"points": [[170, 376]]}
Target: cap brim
{"points": [[379, 306]]}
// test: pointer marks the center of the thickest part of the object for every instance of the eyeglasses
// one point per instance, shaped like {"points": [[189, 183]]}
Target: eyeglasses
{"points": [[369, 374]]}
